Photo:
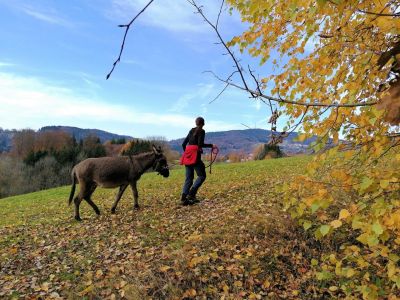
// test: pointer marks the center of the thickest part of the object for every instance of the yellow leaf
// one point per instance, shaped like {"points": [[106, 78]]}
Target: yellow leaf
{"points": [[238, 283], [86, 291], [195, 237], [164, 268], [190, 293], [384, 183], [336, 223], [266, 284], [344, 213], [99, 273], [350, 272]]}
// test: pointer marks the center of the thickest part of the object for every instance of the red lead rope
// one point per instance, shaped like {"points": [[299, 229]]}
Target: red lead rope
{"points": [[214, 151]]}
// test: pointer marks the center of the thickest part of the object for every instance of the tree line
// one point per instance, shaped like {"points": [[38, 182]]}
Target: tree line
{"points": [[43, 160]]}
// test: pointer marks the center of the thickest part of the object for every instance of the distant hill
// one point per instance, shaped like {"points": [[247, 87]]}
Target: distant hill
{"points": [[228, 141], [80, 133], [246, 140]]}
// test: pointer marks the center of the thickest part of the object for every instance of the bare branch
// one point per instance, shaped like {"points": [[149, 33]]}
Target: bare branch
{"points": [[378, 14], [223, 90], [219, 14], [310, 104], [238, 67], [127, 27]]}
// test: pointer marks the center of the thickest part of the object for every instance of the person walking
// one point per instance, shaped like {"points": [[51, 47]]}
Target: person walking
{"points": [[193, 148]]}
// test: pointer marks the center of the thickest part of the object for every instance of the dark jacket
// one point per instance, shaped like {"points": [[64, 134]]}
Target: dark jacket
{"points": [[196, 137]]}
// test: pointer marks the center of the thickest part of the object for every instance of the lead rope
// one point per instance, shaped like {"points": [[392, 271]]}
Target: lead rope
{"points": [[214, 151]]}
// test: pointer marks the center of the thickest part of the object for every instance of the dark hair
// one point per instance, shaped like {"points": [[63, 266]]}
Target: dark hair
{"points": [[199, 121]]}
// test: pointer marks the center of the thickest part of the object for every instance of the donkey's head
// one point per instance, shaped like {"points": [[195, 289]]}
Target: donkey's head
{"points": [[160, 164]]}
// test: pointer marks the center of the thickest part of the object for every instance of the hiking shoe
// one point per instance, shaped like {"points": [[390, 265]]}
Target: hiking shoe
{"points": [[193, 199], [186, 202]]}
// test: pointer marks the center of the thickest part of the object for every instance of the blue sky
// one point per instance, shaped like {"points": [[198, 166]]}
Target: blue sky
{"points": [[55, 56]]}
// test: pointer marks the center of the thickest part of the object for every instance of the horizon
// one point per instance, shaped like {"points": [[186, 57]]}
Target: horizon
{"points": [[122, 134]]}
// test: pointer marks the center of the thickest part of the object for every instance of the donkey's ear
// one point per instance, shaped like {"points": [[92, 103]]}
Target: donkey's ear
{"points": [[156, 150]]}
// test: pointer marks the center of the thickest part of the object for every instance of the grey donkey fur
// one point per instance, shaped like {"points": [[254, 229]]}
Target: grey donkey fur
{"points": [[112, 172]]}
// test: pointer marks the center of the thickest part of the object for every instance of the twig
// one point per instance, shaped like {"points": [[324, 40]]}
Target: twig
{"points": [[127, 27], [219, 14], [238, 67], [223, 90]]}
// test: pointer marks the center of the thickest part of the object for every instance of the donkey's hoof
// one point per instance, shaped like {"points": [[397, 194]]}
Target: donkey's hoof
{"points": [[136, 207], [98, 212], [78, 219], [113, 210]]}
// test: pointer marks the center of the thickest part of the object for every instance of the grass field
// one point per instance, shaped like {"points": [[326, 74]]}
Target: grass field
{"points": [[236, 244]]}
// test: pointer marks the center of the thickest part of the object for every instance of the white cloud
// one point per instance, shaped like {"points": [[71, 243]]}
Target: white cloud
{"points": [[5, 64], [30, 102], [45, 14], [172, 15], [202, 92], [257, 104]]}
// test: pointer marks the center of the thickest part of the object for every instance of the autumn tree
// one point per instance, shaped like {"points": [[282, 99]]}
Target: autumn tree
{"points": [[23, 142], [338, 75]]}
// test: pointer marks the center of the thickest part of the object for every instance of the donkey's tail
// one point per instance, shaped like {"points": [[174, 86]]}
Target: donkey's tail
{"points": [[71, 195]]}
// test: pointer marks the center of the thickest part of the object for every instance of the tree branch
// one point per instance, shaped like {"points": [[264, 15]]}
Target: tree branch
{"points": [[281, 100], [199, 10], [127, 27], [378, 14]]}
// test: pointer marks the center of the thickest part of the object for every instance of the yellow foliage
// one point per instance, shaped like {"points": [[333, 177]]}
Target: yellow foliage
{"points": [[340, 53]]}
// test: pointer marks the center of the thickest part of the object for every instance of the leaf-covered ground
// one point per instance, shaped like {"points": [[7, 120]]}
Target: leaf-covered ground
{"points": [[236, 244]]}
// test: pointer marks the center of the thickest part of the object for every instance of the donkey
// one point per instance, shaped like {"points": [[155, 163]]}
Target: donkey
{"points": [[111, 172]]}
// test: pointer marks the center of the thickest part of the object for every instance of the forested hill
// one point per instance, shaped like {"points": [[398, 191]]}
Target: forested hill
{"points": [[228, 141], [80, 133], [6, 136], [246, 140]]}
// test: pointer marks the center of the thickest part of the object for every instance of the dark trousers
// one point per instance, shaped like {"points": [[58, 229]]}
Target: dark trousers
{"points": [[189, 187]]}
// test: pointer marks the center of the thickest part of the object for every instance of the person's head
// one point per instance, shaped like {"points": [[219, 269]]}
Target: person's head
{"points": [[199, 122]]}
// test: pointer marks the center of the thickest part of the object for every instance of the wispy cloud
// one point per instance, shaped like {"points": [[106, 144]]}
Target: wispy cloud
{"points": [[30, 102], [6, 64], [44, 14], [172, 15], [201, 93]]}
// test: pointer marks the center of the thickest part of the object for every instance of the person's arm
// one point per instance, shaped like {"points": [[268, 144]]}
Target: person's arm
{"points": [[186, 140], [201, 140]]}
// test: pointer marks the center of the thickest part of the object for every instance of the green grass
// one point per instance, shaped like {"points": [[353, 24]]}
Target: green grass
{"points": [[236, 239]]}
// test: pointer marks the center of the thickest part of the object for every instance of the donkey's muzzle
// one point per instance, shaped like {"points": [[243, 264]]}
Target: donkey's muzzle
{"points": [[164, 172]]}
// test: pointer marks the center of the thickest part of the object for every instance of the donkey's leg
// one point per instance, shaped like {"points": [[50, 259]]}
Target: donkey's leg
{"points": [[118, 197], [135, 195], [90, 191], [77, 202], [84, 190]]}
